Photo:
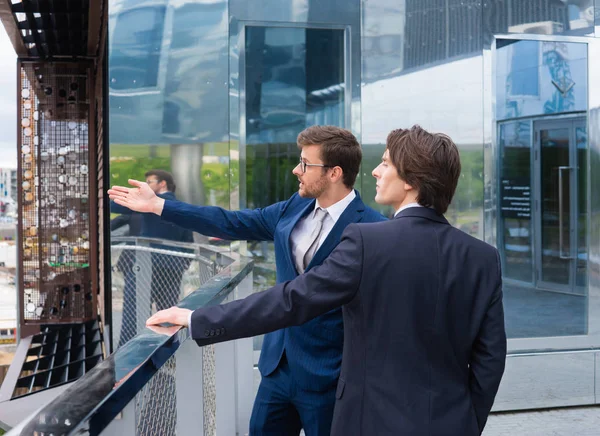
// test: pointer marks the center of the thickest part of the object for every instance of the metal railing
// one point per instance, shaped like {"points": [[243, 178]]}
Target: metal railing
{"points": [[159, 382]]}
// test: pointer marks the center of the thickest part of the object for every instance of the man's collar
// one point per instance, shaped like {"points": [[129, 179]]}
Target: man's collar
{"points": [[337, 209], [406, 206]]}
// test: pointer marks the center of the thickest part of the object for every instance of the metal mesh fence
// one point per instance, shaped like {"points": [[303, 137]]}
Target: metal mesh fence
{"points": [[153, 275], [209, 390], [147, 278], [156, 404]]}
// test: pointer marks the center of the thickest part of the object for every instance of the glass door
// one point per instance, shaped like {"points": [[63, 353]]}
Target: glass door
{"points": [[560, 162]]}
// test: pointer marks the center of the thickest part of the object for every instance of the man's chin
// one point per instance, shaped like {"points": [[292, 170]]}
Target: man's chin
{"points": [[305, 194], [381, 201]]}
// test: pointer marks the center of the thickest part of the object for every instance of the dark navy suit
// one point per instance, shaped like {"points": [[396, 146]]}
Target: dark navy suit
{"points": [[313, 351], [424, 338]]}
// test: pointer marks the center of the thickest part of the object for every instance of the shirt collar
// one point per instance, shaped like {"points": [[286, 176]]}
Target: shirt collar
{"points": [[406, 206], [337, 209]]}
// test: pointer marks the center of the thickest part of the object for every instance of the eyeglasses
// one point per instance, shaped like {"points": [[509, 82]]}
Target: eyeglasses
{"points": [[303, 165], [150, 181]]}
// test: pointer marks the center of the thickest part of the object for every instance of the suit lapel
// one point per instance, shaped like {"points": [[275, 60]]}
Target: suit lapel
{"points": [[352, 214]]}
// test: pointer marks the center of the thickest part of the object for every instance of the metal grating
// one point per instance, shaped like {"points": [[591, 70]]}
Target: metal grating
{"points": [[59, 354], [156, 404], [209, 390], [53, 28], [54, 195]]}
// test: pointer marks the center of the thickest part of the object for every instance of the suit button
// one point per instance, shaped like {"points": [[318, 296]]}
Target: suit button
{"points": [[206, 332], [212, 332], [223, 330]]}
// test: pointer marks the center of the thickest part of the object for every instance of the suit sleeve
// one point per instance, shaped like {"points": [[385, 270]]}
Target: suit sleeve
{"points": [[257, 224], [323, 288], [488, 356], [117, 208]]}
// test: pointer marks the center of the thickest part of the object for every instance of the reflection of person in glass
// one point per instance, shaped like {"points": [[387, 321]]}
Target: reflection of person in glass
{"points": [[424, 343], [299, 365], [167, 269]]}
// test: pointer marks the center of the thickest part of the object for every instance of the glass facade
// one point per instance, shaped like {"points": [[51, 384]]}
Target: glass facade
{"points": [[216, 92]]}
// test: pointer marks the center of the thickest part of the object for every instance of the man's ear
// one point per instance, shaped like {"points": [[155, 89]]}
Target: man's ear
{"points": [[407, 187], [337, 173]]}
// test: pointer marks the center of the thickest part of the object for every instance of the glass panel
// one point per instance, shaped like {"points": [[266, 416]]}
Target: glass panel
{"points": [[582, 209], [136, 43], [294, 79], [555, 211], [540, 78], [169, 95], [515, 200]]}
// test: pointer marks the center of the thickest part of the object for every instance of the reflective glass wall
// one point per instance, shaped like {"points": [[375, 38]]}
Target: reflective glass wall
{"points": [[217, 91]]}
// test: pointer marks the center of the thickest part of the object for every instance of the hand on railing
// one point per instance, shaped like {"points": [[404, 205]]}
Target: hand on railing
{"points": [[140, 199], [174, 315]]}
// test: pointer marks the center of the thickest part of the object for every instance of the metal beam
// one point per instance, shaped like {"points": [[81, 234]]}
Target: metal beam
{"points": [[95, 19], [12, 28], [34, 29]]}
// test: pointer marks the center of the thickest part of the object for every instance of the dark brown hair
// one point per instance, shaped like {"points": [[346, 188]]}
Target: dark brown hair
{"points": [[429, 162], [163, 175], [339, 148]]}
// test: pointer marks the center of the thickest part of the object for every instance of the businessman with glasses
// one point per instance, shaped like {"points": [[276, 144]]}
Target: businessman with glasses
{"points": [[299, 365]]}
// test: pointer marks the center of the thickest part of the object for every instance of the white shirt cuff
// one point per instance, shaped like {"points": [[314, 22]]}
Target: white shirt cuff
{"points": [[190, 323]]}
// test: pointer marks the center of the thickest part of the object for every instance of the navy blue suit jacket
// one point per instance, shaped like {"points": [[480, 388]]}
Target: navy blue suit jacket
{"points": [[313, 350], [424, 339]]}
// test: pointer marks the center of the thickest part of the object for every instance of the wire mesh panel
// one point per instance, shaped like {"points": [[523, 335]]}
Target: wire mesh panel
{"points": [[152, 275], [146, 277], [54, 193], [156, 404], [209, 390]]}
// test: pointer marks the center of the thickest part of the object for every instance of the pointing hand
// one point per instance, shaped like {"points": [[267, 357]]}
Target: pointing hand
{"points": [[141, 198]]}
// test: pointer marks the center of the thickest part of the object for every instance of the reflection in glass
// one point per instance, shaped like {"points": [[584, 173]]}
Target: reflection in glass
{"points": [[294, 79], [136, 44], [582, 209], [514, 140], [539, 78], [541, 98], [555, 211]]}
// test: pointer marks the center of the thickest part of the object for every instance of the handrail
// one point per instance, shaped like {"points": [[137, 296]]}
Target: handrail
{"points": [[94, 400]]}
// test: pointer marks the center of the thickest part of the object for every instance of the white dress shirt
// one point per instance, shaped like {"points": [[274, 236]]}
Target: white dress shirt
{"points": [[305, 225], [406, 206]]}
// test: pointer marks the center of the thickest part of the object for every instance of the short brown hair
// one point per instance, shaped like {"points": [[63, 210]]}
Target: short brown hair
{"points": [[163, 175], [339, 147], [429, 162]]}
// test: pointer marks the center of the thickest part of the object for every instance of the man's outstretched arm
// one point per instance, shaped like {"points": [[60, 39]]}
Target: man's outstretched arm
{"points": [[314, 293], [258, 224]]}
